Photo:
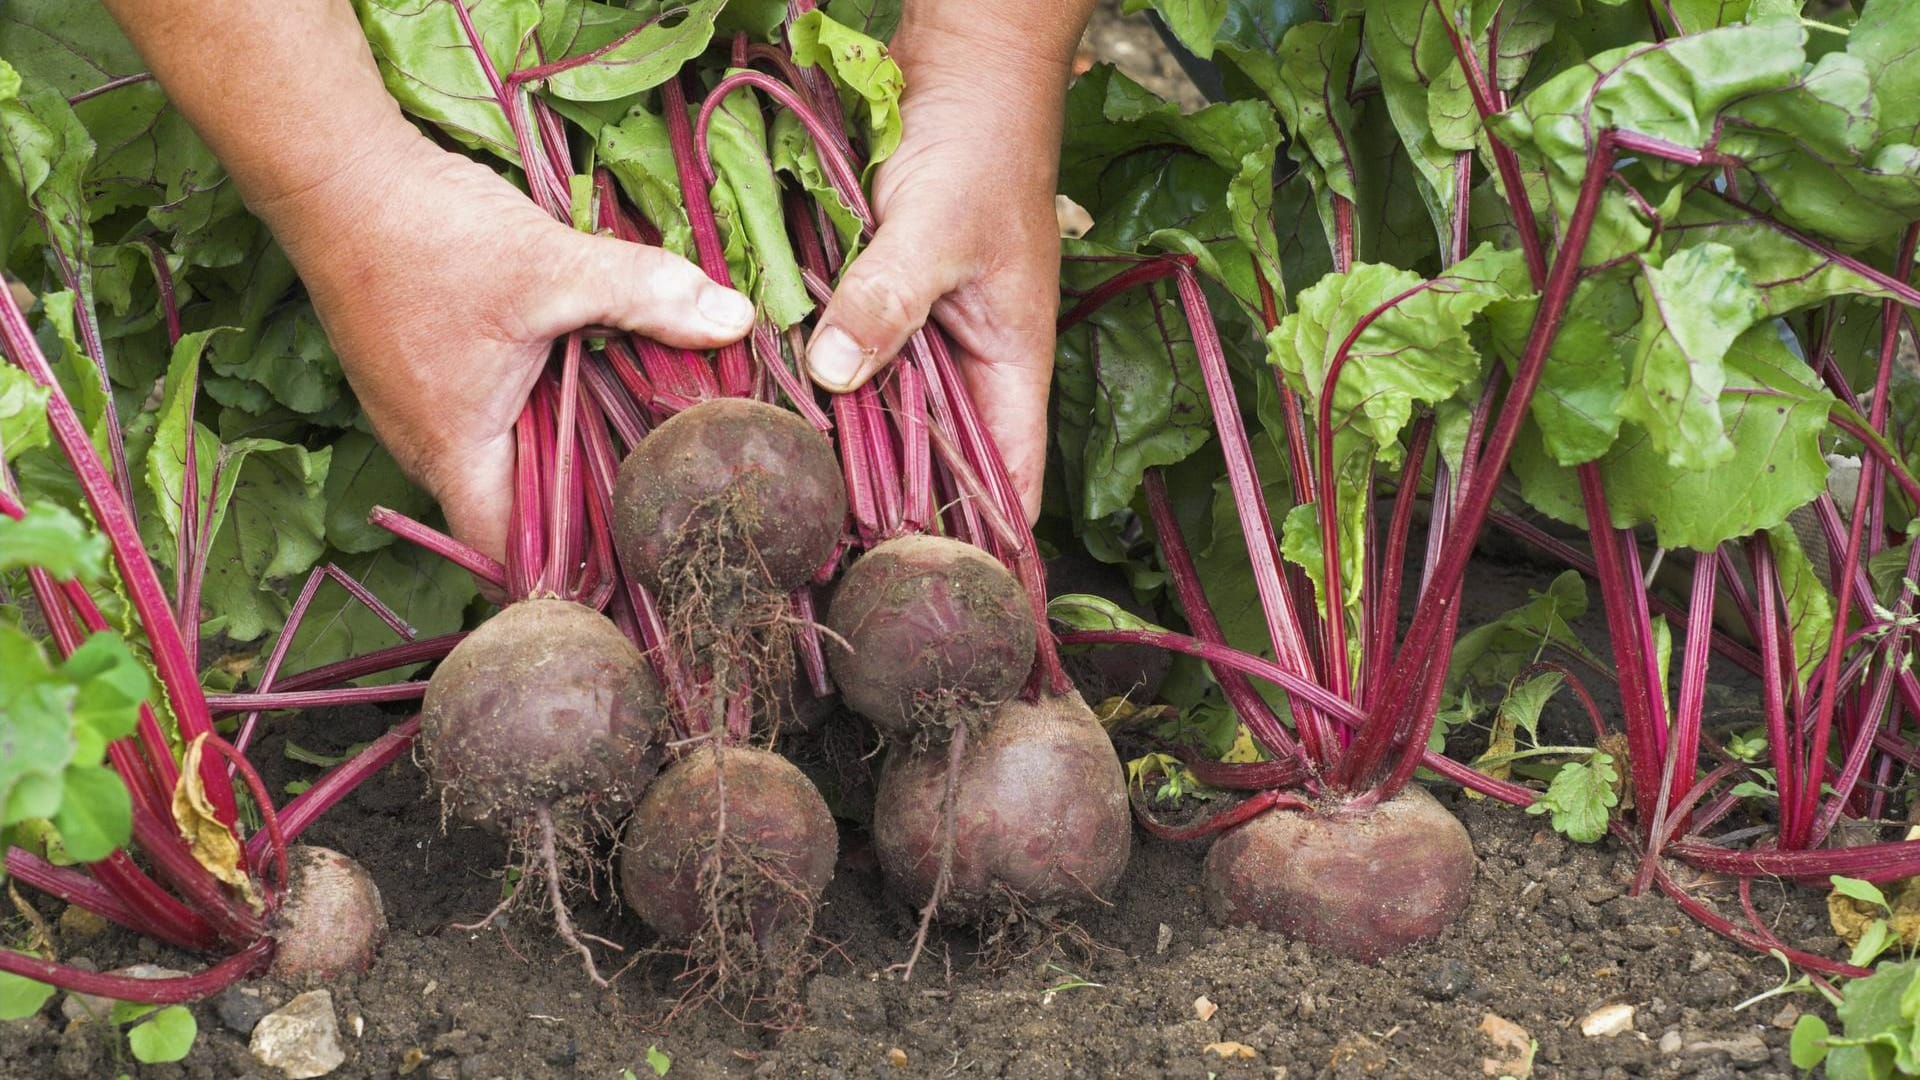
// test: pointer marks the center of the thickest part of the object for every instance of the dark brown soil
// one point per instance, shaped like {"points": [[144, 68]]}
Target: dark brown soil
{"points": [[1549, 936]]}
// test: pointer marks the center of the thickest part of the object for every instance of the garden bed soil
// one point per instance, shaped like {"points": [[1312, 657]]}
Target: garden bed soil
{"points": [[1551, 935]]}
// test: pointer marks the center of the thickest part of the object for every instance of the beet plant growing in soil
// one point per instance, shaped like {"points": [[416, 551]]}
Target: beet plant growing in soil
{"points": [[1625, 271]]}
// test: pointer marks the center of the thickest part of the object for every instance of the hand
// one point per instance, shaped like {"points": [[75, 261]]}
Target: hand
{"points": [[967, 232], [442, 288]]}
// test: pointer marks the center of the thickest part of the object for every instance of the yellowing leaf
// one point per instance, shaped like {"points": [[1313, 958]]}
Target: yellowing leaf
{"points": [[1244, 748], [213, 845]]}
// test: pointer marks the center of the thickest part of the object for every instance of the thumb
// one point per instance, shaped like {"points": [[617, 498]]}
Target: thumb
{"points": [[882, 298], [603, 281]]}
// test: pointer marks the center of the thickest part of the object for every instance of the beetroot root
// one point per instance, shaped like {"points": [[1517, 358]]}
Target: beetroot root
{"points": [[1040, 814], [729, 844], [1362, 886], [930, 631], [729, 483], [332, 924], [546, 707]]}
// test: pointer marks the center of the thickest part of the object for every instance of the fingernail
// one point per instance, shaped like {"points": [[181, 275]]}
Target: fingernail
{"points": [[726, 308], [834, 358]]}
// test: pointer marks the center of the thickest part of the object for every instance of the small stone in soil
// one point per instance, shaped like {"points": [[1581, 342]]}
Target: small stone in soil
{"points": [[77, 923], [1607, 1021], [1446, 980], [1164, 939], [896, 1057], [1785, 1019], [1744, 1048], [1512, 1045], [301, 1038], [240, 1008]]}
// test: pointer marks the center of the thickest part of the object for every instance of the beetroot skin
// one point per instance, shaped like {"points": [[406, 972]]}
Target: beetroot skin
{"points": [[734, 482], [1363, 886], [929, 624], [1042, 813], [546, 705], [332, 924], [778, 854]]}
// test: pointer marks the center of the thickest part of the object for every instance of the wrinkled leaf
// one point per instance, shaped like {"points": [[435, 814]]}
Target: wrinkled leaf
{"points": [[214, 845], [861, 67]]}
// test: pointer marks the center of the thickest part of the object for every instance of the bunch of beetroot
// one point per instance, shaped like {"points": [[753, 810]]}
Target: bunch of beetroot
{"points": [[679, 524]]}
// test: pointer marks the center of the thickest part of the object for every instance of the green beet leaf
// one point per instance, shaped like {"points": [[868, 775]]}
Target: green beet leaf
{"points": [[751, 212], [1155, 179], [639, 153], [1417, 351], [53, 539], [861, 67], [362, 476], [1130, 396], [1696, 305], [1774, 412], [429, 593], [430, 67], [642, 48]]}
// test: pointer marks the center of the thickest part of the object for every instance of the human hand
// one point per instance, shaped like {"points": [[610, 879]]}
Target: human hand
{"points": [[967, 233], [442, 288]]}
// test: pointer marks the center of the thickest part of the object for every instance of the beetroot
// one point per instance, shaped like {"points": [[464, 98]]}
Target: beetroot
{"points": [[332, 924], [1040, 813], [727, 856], [930, 631], [729, 484], [547, 706], [1362, 885]]}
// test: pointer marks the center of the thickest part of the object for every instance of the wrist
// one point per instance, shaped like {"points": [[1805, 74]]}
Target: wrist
{"points": [[938, 45]]}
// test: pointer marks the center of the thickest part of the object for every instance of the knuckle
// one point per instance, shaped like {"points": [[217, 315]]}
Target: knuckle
{"points": [[885, 298]]}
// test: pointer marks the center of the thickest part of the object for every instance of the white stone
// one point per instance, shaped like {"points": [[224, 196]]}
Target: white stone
{"points": [[301, 1038], [1607, 1021]]}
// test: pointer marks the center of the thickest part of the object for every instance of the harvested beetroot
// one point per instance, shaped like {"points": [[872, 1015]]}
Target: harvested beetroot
{"points": [[546, 707], [1040, 814], [332, 924], [928, 632], [1362, 885], [727, 857], [730, 484]]}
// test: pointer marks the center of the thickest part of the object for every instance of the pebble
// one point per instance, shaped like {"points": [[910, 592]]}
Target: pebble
{"points": [[77, 923], [1670, 1043], [1446, 980], [240, 1009], [301, 1038], [1788, 1015], [1744, 1048], [1607, 1021], [1164, 939]]}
